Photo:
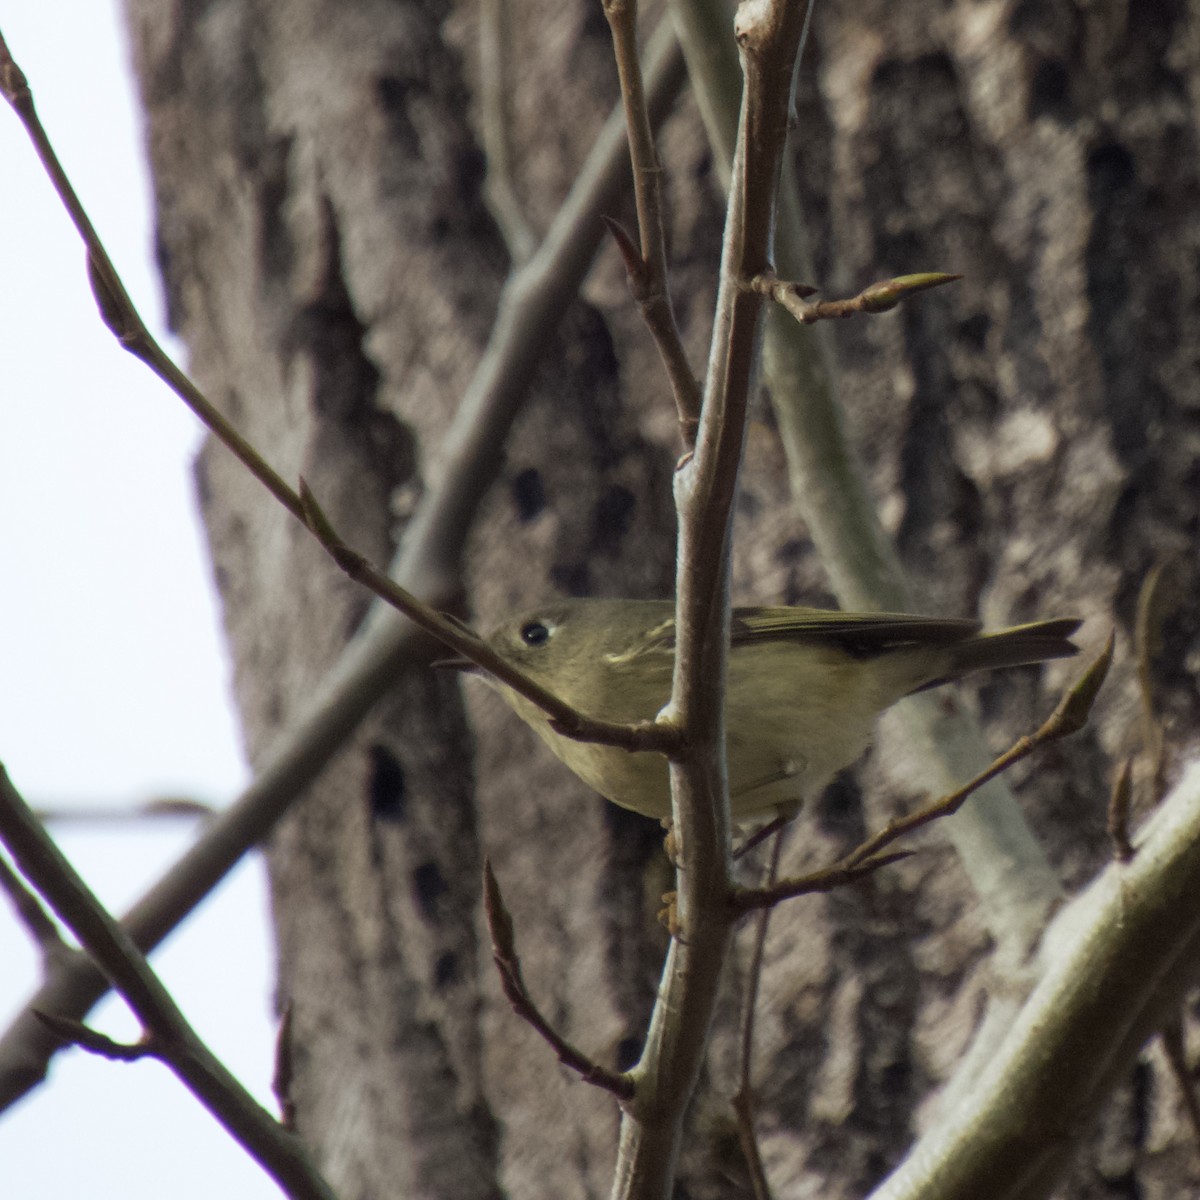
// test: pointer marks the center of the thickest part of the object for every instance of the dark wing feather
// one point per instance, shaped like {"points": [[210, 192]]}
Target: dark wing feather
{"points": [[862, 634]]}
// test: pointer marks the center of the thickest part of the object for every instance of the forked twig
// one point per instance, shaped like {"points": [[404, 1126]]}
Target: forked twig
{"points": [[828, 879], [999, 852], [504, 954], [878, 298], [768, 33]]}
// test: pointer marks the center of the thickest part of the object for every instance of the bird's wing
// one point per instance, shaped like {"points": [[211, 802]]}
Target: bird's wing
{"points": [[862, 632]]}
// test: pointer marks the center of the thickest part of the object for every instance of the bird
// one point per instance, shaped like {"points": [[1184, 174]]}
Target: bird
{"points": [[804, 688]]}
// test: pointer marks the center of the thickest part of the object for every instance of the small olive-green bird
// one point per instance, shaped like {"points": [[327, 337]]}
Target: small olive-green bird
{"points": [[805, 686]]}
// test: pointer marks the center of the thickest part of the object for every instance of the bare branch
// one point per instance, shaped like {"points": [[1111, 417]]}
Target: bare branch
{"points": [[1118, 812], [1005, 862], [743, 1100], [1134, 937], [504, 954], [828, 879], [532, 302], [156, 808], [126, 324], [37, 921], [278, 1152], [75, 1033], [659, 736], [878, 298], [495, 125], [705, 485], [646, 267]]}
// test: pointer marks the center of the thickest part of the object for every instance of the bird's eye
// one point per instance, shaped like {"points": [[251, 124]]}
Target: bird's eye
{"points": [[535, 633]]}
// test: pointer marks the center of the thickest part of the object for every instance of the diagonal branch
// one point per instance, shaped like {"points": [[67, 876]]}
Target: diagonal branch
{"points": [[280, 1153], [643, 735], [126, 324], [532, 302], [1117, 963], [37, 921]]}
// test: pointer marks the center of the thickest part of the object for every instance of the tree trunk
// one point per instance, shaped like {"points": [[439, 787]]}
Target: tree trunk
{"points": [[1030, 435]]}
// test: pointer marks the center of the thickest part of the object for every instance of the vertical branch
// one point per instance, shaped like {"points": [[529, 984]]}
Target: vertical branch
{"points": [[769, 36], [646, 265], [999, 851], [743, 1100]]}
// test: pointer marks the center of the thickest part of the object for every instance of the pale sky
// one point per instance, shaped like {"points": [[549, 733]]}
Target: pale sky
{"points": [[115, 684]]}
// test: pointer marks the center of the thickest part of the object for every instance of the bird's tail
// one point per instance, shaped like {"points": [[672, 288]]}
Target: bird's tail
{"points": [[1015, 647]]}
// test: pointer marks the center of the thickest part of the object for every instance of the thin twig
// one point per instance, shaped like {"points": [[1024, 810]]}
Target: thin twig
{"points": [[126, 324], [828, 879], [159, 808], [75, 1033], [531, 303], [743, 1100], [508, 964], [281, 1154], [1069, 716], [1118, 812], [495, 126], [28, 908], [646, 267], [878, 298], [775, 825], [284, 1073], [659, 736], [1153, 605]]}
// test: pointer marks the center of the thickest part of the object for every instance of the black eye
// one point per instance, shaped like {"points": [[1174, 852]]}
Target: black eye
{"points": [[534, 634]]}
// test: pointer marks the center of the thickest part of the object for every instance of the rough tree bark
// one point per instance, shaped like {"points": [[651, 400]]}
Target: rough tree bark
{"points": [[1031, 436]]}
